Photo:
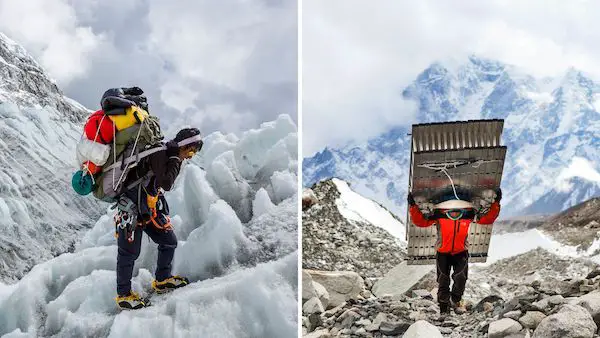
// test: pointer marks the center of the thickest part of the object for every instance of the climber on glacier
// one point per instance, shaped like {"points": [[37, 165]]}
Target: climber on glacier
{"points": [[150, 211], [452, 219]]}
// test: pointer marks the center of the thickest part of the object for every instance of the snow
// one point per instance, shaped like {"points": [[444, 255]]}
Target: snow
{"points": [[579, 167], [358, 208], [512, 244], [237, 244]]}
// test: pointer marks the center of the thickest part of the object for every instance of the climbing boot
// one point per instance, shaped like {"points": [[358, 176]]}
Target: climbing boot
{"points": [[173, 282], [459, 307], [444, 308], [131, 301]]}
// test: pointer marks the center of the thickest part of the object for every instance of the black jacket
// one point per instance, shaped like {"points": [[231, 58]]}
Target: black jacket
{"points": [[164, 172]]}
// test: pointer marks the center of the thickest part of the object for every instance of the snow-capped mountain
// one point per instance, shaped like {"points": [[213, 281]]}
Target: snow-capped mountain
{"points": [[236, 222], [551, 130], [40, 215]]}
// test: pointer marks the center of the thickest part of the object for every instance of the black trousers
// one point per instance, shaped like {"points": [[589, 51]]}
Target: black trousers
{"points": [[459, 264], [129, 252]]}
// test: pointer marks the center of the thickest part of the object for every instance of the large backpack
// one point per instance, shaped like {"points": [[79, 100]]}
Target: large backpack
{"points": [[129, 146], [115, 138]]}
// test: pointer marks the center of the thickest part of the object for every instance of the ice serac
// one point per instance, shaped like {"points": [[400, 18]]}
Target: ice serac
{"points": [[239, 250], [549, 123], [40, 215]]}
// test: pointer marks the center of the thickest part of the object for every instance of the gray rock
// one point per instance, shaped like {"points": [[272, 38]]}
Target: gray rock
{"points": [[489, 299], [503, 327], [313, 305], [366, 294], [393, 328], [322, 293], [341, 285], [422, 293], [319, 334], [361, 332], [400, 279], [532, 319], [314, 321], [363, 322], [514, 315], [376, 322], [347, 319], [421, 329], [591, 302], [572, 321], [308, 290]]}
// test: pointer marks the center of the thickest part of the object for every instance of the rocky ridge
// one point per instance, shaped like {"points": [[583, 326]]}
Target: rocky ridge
{"points": [[333, 243]]}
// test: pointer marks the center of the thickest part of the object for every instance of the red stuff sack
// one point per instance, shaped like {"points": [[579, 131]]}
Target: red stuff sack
{"points": [[99, 128]]}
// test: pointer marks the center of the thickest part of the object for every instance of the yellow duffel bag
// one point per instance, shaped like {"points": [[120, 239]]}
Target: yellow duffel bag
{"points": [[133, 115]]}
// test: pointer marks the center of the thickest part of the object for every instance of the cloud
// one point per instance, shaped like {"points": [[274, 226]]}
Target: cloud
{"points": [[52, 33], [357, 58], [229, 64]]}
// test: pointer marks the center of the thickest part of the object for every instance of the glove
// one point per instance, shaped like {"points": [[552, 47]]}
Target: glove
{"points": [[498, 194], [411, 200], [172, 149]]}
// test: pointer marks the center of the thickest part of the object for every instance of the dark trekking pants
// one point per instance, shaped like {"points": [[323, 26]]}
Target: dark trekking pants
{"points": [[459, 263], [129, 252]]}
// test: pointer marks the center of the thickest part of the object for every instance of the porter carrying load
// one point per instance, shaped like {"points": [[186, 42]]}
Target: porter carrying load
{"points": [[455, 175]]}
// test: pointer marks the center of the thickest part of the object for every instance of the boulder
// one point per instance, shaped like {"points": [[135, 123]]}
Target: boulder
{"points": [[322, 293], [503, 327], [400, 279], [308, 289], [572, 321], [340, 285], [393, 328], [312, 305], [515, 315], [422, 293], [532, 319], [488, 299], [422, 329], [374, 326], [591, 302], [318, 334]]}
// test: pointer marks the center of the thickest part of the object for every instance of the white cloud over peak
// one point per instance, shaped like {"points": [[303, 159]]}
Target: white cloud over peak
{"points": [[357, 57]]}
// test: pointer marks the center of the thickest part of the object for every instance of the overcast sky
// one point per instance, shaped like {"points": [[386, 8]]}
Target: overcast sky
{"points": [[227, 64], [357, 57]]}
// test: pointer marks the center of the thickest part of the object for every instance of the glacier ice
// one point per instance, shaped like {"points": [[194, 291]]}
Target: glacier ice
{"points": [[237, 243]]}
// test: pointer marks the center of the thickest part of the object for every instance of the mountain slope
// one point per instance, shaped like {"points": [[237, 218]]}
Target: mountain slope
{"points": [[237, 230], [345, 231], [548, 124], [40, 215]]}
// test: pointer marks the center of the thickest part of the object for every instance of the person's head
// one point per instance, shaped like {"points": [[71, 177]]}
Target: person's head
{"points": [[190, 142], [455, 209], [455, 214]]}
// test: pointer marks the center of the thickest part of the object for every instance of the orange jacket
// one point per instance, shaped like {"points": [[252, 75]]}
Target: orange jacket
{"points": [[452, 235]]}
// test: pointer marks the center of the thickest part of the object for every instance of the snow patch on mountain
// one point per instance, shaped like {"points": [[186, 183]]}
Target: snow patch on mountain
{"points": [[242, 266], [516, 243], [357, 208]]}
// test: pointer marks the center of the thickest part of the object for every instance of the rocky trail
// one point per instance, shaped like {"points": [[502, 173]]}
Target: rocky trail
{"points": [[537, 293]]}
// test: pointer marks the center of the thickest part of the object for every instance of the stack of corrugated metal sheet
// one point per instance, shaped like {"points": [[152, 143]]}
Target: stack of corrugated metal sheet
{"points": [[470, 153]]}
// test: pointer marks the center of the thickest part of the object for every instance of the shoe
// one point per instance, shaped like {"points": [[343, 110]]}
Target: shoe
{"points": [[444, 308], [131, 301], [173, 282], [459, 307]]}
